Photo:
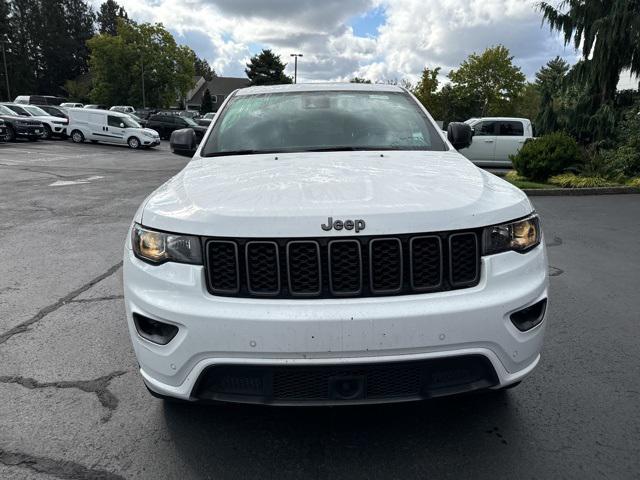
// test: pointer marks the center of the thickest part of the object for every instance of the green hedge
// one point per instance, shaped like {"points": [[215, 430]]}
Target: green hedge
{"points": [[549, 155]]}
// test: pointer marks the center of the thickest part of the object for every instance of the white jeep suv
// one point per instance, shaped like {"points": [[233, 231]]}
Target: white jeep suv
{"points": [[328, 245]]}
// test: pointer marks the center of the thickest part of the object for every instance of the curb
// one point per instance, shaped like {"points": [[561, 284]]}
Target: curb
{"points": [[576, 192]]}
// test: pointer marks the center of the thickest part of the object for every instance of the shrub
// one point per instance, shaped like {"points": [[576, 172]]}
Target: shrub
{"points": [[623, 161], [548, 155], [571, 180], [513, 176], [634, 182]]}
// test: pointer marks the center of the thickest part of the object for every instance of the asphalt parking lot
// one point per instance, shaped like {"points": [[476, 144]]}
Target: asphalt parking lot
{"points": [[73, 406]]}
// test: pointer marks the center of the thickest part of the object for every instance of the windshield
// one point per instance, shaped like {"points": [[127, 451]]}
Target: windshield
{"points": [[7, 111], [317, 121], [130, 122], [35, 110], [190, 122], [18, 110]]}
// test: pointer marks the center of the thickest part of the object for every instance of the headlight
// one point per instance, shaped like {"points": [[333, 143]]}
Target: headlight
{"points": [[159, 247], [520, 236]]}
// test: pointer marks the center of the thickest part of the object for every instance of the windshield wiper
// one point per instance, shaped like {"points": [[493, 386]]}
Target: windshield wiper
{"points": [[238, 152]]}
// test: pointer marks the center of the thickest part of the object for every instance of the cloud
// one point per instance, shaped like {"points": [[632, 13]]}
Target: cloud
{"points": [[402, 36]]}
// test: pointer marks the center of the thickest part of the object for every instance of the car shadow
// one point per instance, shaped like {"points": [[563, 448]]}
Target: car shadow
{"points": [[386, 441]]}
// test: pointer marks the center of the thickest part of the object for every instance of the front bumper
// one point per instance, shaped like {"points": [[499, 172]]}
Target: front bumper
{"points": [[29, 131], [150, 142], [216, 331], [59, 130]]}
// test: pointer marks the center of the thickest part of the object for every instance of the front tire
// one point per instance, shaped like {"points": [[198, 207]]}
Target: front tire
{"points": [[133, 143], [46, 135], [11, 134], [77, 136]]}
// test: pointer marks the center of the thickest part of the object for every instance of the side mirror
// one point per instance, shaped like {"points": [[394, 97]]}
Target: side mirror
{"points": [[460, 135], [122, 125], [183, 142]]}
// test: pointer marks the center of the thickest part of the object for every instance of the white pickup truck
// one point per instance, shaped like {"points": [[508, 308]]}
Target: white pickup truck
{"points": [[496, 138]]}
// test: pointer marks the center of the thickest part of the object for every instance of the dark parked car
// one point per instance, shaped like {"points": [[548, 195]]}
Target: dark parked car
{"points": [[205, 120], [143, 122], [165, 124], [20, 127], [59, 112]]}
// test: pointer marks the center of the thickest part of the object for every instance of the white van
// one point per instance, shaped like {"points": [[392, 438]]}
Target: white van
{"points": [[111, 127]]}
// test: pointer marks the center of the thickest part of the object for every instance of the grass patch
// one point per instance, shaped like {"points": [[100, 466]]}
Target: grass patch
{"points": [[522, 182], [528, 184], [571, 180], [634, 182]]}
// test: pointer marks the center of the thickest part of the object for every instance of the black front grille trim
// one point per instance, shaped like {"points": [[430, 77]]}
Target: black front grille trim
{"points": [[290, 269], [341, 255], [469, 280], [314, 384], [412, 255], [332, 288], [391, 264], [262, 291]]}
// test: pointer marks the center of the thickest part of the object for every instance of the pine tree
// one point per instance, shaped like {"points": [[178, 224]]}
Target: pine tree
{"points": [[606, 32], [549, 82], [108, 16], [203, 69], [207, 102], [266, 69]]}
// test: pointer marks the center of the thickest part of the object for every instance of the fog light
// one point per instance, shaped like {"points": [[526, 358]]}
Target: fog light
{"points": [[529, 317], [153, 330]]}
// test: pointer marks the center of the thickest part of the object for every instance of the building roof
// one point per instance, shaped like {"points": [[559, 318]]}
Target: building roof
{"points": [[218, 86]]}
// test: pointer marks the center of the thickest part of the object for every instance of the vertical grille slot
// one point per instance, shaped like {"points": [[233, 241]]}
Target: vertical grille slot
{"points": [[345, 267], [223, 271], [464, 265], [426, 262], [385, 259], [263, 268], [304, 270]]}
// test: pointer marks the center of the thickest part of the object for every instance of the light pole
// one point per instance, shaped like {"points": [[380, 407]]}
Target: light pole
{"points": [[295, 68], [144, 102], [6, 75]]}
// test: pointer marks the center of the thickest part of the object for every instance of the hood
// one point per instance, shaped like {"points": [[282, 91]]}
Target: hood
{"points": [[294, 194]]}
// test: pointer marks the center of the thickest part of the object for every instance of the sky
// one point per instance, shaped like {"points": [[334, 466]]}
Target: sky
{"points": [[377, 39]]}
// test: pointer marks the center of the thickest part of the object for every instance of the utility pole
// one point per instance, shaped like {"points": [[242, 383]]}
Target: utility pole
{"points": [[144, 101], [6, 75], [295, 68]]}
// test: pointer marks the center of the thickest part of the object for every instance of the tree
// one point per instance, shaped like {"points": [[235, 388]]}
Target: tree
{"points": [[606, 32], [266, 68], [359, 80], [550, 85], [78, 90], [527, 104], [426, 89], [45, 43], [203, 69], [207, 102], [108, 16], [120, 62], [491, 79]]}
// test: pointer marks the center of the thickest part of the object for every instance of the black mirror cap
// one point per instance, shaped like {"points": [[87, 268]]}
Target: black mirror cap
{"points": [[183, 142], [460, 135]]}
